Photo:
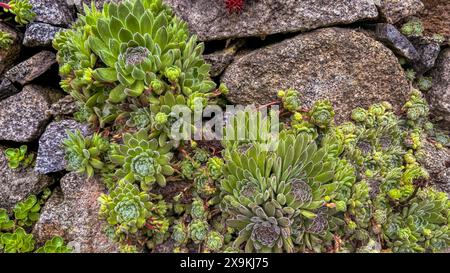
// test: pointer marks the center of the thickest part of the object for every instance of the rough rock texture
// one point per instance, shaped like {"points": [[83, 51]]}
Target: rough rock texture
{"points": [[392, 11], [437, 163], [22, 116], [391, 37], [7, 89], [98, 3], [16, 185], [9, 55], [32, 68], [210, 20], [436, 16], [40, 34], [63, 107], [219, 61], [54, 12], [50, 156], [439, 95], [72, 213], [342, 65], [428, 50]]}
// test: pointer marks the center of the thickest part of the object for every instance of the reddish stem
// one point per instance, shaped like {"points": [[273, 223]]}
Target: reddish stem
{"points": [[5, 6]]}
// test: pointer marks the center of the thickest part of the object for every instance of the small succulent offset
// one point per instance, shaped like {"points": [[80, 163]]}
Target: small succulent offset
{"points": [[85, 154], [198, 209], [126, 207], [215, 167], [142, 159], [214, 241], [27, 211], [180, 233], [18, 157], [413, 27], [54, 245], [6, 40], [17, 242], [22, 9], [198, 230], [425, 83], [5, 223], [322, 114], [291, 99]]}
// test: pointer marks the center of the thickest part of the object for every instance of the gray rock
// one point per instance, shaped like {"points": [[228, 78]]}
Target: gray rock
{"points": [[16, 185], [391, 37], [9, 55], [210, 20], [51, 153], [72, 213], [53, 12], [219, 61], [40, 34], [7, 89], [98, 3], [439, 95], [63, 107], [392, 11], [428, 50], [342, 65], [428, 55], [437, 163], [32, 68], [22, 116]]}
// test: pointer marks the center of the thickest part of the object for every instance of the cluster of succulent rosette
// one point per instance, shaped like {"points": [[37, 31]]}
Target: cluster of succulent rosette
{"points": [[315, 187], [14, 232]]}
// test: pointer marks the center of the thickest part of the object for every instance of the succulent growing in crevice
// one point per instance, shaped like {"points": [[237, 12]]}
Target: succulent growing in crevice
{"points": [[27, 211], [85, 154], [425, 83], [54, 245], [5, 223], [16, 242], [18, 157], [142, 159], [22, 9], [413, 27], [5, 40]]}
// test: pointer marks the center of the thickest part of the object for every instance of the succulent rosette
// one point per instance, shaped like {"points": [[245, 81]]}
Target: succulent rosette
{"points": [[142, 159]]}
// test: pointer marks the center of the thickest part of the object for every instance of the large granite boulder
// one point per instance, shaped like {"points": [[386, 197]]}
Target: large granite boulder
{"points": [[210, 20], [342, 65]]}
